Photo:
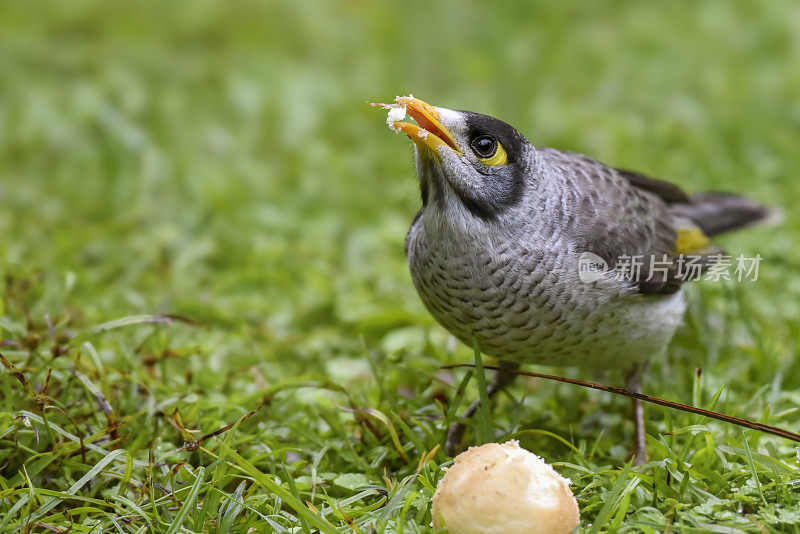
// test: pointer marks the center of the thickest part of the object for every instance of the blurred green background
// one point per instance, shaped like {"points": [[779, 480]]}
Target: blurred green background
{"points": [[171, 145], [218, 160]]}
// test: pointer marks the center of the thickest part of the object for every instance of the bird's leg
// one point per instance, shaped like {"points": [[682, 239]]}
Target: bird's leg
{"points": [[634, 383], [502, 378]]}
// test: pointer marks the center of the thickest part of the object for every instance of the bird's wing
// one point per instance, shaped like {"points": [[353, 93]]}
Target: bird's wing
{"points": [[627, 219], [711, 213], [666, 191]]}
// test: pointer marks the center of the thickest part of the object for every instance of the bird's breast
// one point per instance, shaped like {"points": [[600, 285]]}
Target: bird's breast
{"points": [[523, 303]]}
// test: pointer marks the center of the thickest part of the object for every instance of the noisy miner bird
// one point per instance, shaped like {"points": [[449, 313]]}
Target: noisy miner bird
{"points": [[520, 249]]}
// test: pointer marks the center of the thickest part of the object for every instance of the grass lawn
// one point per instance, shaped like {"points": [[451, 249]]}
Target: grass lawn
{"points": [[202, 230]]}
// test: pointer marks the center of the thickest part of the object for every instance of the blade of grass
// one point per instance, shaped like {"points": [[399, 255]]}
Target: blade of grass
{"points": [[611, 499], [752, 465], [296, 493], [232, 507], [189, 502], [99, 466], [483, 428], [127, 321], [286, 496]]}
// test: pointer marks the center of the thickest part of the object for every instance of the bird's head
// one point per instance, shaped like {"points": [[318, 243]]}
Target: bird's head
{"points": [[467, 163]]}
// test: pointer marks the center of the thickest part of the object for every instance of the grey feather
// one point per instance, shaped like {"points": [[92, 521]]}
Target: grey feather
{"points": [[669, 193]]}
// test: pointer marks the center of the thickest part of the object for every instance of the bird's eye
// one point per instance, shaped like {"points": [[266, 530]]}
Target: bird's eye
{"points": [[488, 150], [484, 146]]}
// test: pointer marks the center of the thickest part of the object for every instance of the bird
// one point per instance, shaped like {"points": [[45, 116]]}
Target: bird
{"points": [[526, 253]]}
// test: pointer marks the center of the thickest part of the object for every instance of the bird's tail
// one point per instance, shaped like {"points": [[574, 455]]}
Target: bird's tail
{"points": [[717, 213]]}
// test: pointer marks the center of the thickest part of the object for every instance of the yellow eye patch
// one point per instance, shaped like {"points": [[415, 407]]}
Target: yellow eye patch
{"points": [[500, 157]]}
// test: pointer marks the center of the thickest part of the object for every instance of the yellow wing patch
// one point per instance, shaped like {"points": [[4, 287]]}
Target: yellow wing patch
{"points": [[691, 240]]}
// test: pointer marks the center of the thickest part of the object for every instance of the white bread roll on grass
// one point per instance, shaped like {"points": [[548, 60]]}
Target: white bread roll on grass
{"points": [[503, 488]]}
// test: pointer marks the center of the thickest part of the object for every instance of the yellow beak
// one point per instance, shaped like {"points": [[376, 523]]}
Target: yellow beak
{"points": [[428, 131]]}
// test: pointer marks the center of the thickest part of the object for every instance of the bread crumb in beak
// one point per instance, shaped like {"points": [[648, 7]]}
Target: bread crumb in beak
{"points": [[395, 114], [422, 133]]}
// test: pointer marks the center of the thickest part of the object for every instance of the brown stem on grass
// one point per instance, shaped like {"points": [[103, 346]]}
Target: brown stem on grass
{"points": [[767, 429]]}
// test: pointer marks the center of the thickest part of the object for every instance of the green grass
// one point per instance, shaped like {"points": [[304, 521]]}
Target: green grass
{"points": [[216, 161]]}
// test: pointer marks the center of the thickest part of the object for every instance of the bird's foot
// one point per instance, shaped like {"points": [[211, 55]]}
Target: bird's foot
{"points": [[639, 452], [455, 434], [639, 456]]}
